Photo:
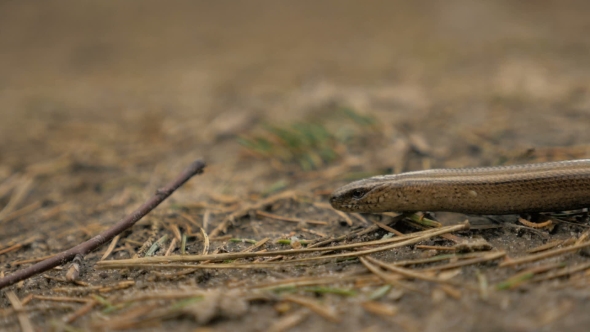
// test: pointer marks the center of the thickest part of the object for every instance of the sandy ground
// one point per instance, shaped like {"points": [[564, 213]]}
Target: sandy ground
{"points": [[102, 102]]}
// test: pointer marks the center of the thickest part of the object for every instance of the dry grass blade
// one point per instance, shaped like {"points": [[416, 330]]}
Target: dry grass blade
{"points": [[562, 309], [32, 260], [289, 321], [146, 262], [52, 166], [297, 220], [205, 241], [546, 246], [80, 312], [9, 184], [111, 247], [139, 317], [387, 228], [22, 211], [312, 281], [484, 258], [222, 227], [212, 266], [387, 277], [176, 231], [61, 299], [482, 282], [19, 243], [171, 247], [22, 189], [451, 291], [438, 258], [358, 233], [206, 219], [27, 299], [23, 318], [543, 255], [360, 218], [407, 272], [149, 242], [381, 309], [257, 245], [439, 248], [164, 295], [436, 232], [311, 231], [345, 217], [349, 236], [417, 220], [324, 311], [101, 289], [524, 276], [421, 220], [195, 258], [566, 271], [582, 237]]}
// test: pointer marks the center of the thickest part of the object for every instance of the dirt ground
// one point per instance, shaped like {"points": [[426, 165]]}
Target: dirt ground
{"points": [[103, 102]]}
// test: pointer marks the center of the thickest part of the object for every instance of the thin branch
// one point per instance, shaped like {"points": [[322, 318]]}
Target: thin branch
{"points": [[95, 242]]}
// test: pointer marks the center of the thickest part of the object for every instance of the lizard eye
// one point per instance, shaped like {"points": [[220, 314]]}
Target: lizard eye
{"points": [[357, 193]]}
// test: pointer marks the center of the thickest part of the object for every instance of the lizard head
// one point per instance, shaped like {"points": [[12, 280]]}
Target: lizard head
{"points": [[359, 196]]}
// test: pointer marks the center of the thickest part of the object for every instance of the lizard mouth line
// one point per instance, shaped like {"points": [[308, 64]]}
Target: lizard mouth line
{"points": [[351, 206]]}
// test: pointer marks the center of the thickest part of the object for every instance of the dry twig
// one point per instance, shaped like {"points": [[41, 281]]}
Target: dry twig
{"points": [[95, 242]]}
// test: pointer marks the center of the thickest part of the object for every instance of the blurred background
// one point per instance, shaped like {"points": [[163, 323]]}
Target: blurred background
{"points": [[108, 76]]}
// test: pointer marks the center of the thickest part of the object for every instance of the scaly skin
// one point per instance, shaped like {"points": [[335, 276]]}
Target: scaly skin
{"points": [[543, 187]]}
